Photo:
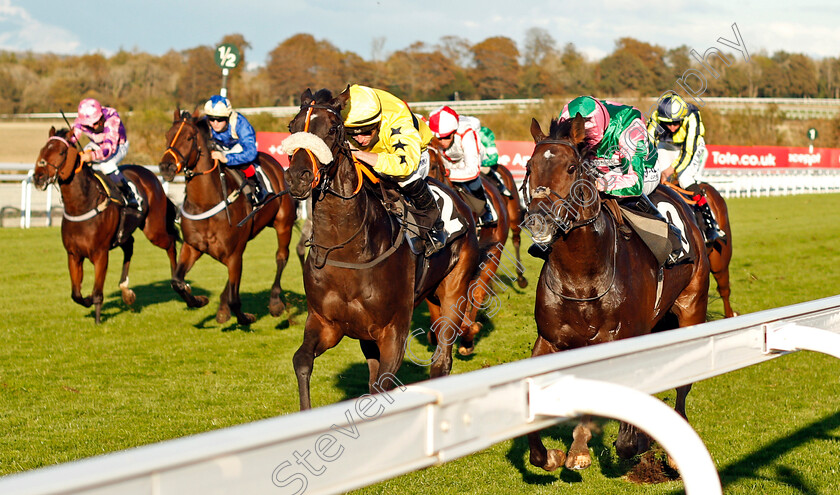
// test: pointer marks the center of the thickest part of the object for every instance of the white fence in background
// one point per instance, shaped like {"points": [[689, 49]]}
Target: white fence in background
{"points": [[17, 193], [735, 183], [793, 108], [16, 183], [374, 438]]}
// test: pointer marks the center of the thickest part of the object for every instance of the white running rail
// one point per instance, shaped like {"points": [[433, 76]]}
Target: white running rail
{"points": [[356, 443]]}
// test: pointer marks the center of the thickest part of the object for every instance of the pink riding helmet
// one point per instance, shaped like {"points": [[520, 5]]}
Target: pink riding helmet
{"points": [[595, 113], [90, 111]]}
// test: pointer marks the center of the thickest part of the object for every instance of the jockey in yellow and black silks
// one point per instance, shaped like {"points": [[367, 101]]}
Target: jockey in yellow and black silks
{"points": [[386, 136], [678, 124]]}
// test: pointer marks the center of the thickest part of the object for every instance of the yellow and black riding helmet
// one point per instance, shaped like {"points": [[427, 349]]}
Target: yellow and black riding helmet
{"points": [[363, 112], [672, 109]]}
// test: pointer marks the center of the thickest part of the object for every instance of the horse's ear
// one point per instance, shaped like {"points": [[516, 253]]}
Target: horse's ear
{"points": [[306, 97], [177, 115], [578, 131], [52, 131], [343, 98], [196, 114], [536, 131]]}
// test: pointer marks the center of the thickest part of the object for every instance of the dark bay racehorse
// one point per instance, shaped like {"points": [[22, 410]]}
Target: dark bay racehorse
{"points": [[91, 218], [359, 276], [720, 253], [491, 242], [600, 282], [205, 223]]}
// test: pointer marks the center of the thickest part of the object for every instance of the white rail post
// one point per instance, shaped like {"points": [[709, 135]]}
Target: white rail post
{"points": [[570, 396], [795, 337], [49, 207], [26, 200]]}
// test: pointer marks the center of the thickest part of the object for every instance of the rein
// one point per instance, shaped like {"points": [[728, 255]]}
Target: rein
{"points": [[96, 210], [542, 192], [321, 183], [184, 163]]}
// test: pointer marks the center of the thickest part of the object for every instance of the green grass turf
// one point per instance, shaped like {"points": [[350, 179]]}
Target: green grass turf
{"points": [[70, 389]]}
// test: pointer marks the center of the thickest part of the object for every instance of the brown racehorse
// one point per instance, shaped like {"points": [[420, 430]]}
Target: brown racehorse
{"points": [[600, 281], [205, 224], [491, 241], [516, 214], [91, 219], [359, 276], [720, 253]]}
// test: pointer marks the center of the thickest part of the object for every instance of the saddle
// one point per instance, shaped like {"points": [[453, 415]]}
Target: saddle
{"points": [[130, 218]]}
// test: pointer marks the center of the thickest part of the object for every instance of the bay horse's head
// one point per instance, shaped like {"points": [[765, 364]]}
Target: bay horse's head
{"points": [[186, 141], [437, 163], [317, 142], [56, 160], [561, 191]]}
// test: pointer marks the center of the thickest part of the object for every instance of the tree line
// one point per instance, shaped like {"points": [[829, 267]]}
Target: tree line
{"points": [[451, 68], [151, 86]]}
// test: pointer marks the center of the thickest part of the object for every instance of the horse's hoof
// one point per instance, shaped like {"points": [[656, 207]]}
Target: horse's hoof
{"points": [[466, 351], [554, 459], [246, 319], [475, 328], [276, 309], [128, 297], [672, 463], [199, 302], [222, 317], [578, 461], [522, 282]]}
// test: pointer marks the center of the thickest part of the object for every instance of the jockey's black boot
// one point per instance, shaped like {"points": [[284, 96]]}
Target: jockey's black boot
{"points": [[645, 205], [496, 177], [711, 230], [486, 216], [260, 191], [127, 193], [427, 215]]}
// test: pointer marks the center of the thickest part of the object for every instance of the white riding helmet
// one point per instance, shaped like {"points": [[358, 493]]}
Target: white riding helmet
{"points": [[218, 106]]}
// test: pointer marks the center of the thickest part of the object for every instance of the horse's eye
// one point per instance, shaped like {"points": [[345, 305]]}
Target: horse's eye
{"points": [[572, 168]]}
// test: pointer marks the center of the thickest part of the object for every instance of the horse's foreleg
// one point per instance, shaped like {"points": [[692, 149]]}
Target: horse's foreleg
{"points": [[76, 265], [720, 270], [189, 255], [316, 340], [539, 455], [371, 352], [305, 234], [391, 345], [276, 301], [100, 269], [230, 302], [516, 238], [128, 295], [477, 296]]}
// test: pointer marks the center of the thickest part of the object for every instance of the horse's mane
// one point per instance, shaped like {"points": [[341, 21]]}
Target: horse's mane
{"points": [[562, 129], [63, 132], [323, 96]]}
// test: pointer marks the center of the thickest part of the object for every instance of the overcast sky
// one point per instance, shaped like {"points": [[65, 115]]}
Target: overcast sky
{"points": [[156, 26]]}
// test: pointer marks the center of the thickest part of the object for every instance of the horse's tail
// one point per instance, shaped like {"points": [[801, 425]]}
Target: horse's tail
{"points": [[171, 215]]}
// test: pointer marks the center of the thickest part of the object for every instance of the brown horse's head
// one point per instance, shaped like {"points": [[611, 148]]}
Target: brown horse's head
{"points": [[437, 163], [317, 142], [185, 143], [561, 193], [56, 160]]}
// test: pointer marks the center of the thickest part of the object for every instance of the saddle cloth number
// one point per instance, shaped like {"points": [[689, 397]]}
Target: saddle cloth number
{"points": [[670, 212]]}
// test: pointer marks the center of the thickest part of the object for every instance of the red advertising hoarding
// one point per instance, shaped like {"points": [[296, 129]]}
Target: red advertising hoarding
{"points": [[515, 154]]}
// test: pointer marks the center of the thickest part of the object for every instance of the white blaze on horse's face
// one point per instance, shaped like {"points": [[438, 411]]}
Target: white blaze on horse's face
{"points": [[548, 155]]}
